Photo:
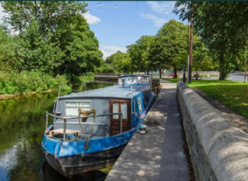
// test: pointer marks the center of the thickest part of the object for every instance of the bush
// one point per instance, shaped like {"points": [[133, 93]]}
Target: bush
{"points": [[83, 79], [62, 82], [105, 68], [89, 74], [12, 83]]}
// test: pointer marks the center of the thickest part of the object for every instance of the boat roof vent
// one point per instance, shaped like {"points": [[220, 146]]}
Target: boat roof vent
{"points": [[123, 82]]}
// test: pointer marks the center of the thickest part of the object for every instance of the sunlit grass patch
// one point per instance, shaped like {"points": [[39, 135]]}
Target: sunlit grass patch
{"points": [[233, 94], [172, 80]]}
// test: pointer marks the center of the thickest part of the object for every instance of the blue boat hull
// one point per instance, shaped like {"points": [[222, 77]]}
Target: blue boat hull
{"points": [[69, 158], [49, 174], [78, 164]]}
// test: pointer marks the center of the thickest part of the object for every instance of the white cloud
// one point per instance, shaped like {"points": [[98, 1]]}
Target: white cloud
{"points": [[91, 19], [162, 7], [108, 50], [2, 14], [157, 21]]}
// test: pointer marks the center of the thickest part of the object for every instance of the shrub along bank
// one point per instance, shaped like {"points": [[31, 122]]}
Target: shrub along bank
{"points": [[23, 82]]}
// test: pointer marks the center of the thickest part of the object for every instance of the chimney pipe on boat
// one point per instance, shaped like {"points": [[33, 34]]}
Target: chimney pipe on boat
{"points": [[123, 82]]}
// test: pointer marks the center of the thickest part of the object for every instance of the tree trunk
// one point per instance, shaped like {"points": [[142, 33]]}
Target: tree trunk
{"points": [[196, 72], [245, 77], [191, 43], [222, 68], [160, 73], [175, 72]]}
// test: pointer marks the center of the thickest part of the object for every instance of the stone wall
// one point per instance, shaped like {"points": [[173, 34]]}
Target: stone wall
{"points": [[218, 149]]}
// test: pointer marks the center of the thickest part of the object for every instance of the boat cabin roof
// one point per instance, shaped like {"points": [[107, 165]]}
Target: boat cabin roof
{"points": [[133, 76], [128, 80], [111, 91]]}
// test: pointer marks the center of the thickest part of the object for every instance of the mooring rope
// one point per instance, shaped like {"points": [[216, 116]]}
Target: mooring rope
{"points": [[86, 113]]}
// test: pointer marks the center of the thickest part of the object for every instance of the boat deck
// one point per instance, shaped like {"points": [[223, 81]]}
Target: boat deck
{"points": [[159, 154]]}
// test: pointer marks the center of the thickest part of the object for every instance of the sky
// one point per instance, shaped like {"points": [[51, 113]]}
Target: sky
{"points": [[121, 23]]}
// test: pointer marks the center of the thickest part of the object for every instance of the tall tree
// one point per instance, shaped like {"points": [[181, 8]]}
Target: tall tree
{"points": [[171, 39], [7, 53], [109, 60], [139, 53], [135, 55], [222, 26], [202, 57], [121, 62], [49, 15], [241, 61], [79, 45], [33, 52], [157, 56], [245, 64], [54, 36]]}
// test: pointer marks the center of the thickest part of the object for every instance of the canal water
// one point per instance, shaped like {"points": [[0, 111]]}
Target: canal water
{"points": [[22, 123]]}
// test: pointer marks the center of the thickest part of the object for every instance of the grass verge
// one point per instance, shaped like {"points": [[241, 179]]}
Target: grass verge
{"points": [[233, 94]]}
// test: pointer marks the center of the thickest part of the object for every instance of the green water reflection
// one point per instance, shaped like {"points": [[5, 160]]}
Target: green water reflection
{"points": [[22, 122]]}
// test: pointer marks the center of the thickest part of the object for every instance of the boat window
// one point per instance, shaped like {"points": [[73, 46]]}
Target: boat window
{"points": [[124, 110], [132, 80], [71, 108], [139, 104], [120, 81], [115, 110], [143, 80]]}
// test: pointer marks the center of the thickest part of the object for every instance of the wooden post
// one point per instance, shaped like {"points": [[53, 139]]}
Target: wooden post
{"points": [[184, 80]]}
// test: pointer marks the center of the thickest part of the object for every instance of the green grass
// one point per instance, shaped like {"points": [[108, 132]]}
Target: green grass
{"points": [[233, 94], [172, 80]]}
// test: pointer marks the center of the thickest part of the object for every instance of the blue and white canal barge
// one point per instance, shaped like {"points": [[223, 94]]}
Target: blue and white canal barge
{"points": [[90, 129]]}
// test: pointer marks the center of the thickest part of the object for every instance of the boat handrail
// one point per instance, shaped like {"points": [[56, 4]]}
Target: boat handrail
{"points": [[65, 119], [135, 90], [100, 115]]}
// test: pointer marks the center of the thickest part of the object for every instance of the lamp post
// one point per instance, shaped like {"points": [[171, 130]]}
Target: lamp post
{"points": [[190, 44], [184, 73]]}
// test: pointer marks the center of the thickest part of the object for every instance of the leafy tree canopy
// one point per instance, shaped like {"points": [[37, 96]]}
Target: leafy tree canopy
{"points": [[170, 41], [7, 53], [53, 37], [121, 62], [222, 26], [139, 53]]}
